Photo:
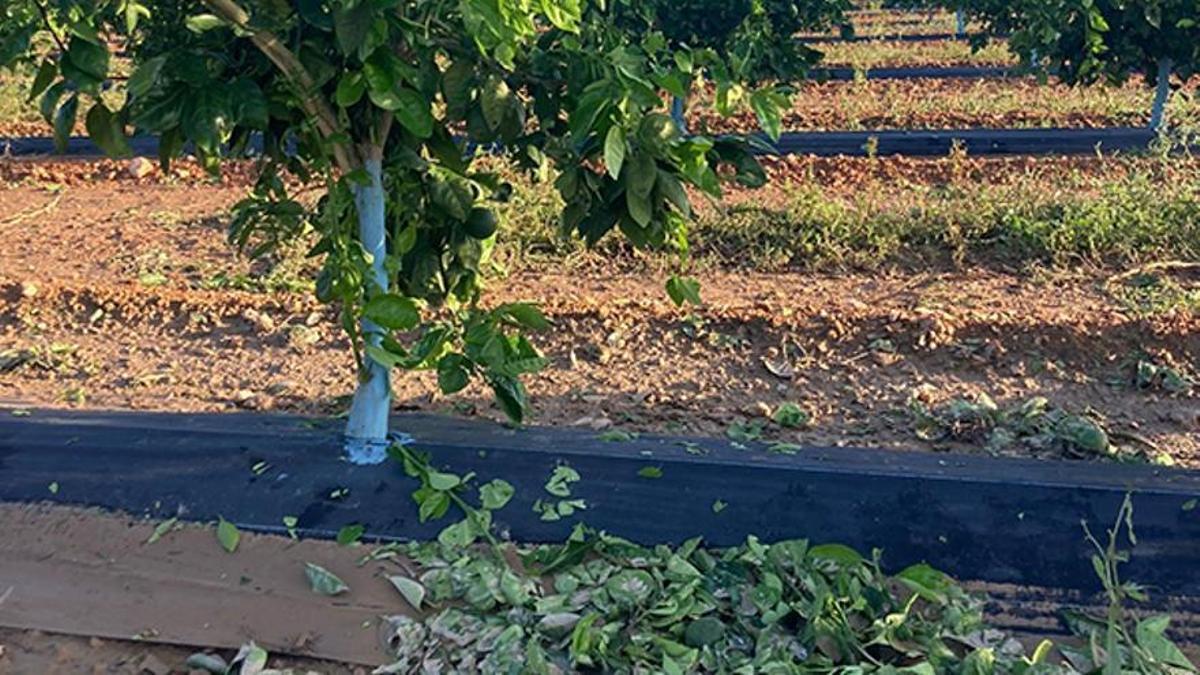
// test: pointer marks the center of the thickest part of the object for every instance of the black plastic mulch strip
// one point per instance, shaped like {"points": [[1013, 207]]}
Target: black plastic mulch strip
{"points": [[843, 74], [917, 143], [896, 37], [976, 142], [998, 520], [77, 146]]}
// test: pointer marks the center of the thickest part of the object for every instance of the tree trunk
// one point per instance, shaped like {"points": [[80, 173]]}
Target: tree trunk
{"points": [[1158, 115], [960, 23], [367, 427], [678, 111]]}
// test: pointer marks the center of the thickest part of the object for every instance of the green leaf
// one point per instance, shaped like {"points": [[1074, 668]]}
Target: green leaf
{"points": [[837, 553], [202, 116], [104, 128], [524, 314], [392, 311], [704, 631], [453, 373], [249, 104], [617, 436], [927, 582], [134, 12], [791, 416], [719, 506], [639, 207], [563, 14], [1151, 636], [650, 472], [228, 535], [1041, 654], [412, 111], [44, 78], [443, 481], [497, 100], [351, 25], [452, 194], [85, 63], [683, 290], [1083, 433], [496, 494], [64, 122], [614, 151], [642, 176], [459, 535], [250, 659], [457, 85], [315, 14], [433, 504], [413, 591], [630, 587], [671, 190], [201, 23], [350, 534], [768, 106], [322, 581], [145, 76], [560, 481], [53, 488], [350, 90], [511, 396], [162, 529]]}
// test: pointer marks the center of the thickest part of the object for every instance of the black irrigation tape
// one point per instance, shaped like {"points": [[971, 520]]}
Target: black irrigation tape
{"points": [[977, 517], [916, 143]]}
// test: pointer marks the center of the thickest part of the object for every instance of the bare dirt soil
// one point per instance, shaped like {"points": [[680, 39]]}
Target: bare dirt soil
{"points": [[111, 293]]}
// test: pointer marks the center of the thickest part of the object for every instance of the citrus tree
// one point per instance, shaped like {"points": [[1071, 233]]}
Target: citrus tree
{"points": [[1087, 41], [387, 104], [753, 40]]}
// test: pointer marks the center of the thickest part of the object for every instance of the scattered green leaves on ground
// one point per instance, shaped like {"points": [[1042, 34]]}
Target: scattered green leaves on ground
{"points": [[617, 436], [746, 432], [559, 485], [1035, 424], [228, 535], [791, 416]]}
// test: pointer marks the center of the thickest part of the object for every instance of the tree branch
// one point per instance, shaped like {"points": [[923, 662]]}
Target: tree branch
{"points": [[50, 27], [283, 58]]}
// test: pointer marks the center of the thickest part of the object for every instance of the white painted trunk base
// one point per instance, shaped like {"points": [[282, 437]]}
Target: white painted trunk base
{"points": [[367, 426]]}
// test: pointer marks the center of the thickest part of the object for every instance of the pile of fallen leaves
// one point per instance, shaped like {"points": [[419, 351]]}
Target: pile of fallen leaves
{"points": [[600, 603], [1034, 424]]}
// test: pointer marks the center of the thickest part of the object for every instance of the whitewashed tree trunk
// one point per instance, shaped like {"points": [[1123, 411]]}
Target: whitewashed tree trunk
{"points": [[960, 23], [1158, 114], [367, 426], [678, 109]]}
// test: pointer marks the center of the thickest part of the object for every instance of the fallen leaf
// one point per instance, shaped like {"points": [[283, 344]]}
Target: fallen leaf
{"points": [[412, 591], [323, 581]]}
